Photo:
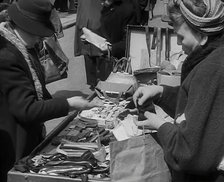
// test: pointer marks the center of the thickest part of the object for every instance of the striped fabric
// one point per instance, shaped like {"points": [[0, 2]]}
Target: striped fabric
{"points": [[213, 19]]}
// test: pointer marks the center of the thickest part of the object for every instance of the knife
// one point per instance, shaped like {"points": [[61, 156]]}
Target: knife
{"points": [[148, 43], [167, 45], [154, 38], [158, 50]]}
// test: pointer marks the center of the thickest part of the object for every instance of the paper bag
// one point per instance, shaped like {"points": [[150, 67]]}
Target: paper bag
{"points": [[138, 159]]}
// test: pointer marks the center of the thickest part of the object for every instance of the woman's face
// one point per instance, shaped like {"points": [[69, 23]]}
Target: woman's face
{"points": [[187, 37]]}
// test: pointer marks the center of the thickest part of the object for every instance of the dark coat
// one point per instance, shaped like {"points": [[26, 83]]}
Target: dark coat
{"points": [[21, 115], [111, 24], [114, 21], [88, 15], [193, 146]]}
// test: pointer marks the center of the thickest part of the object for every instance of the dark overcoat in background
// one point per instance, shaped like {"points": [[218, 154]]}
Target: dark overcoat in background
{"points": [[88, 15], [114, 21]]}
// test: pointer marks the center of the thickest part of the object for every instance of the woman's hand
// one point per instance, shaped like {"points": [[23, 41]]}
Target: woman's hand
{"points": [[80, 103], [106, 47], [148, 92], [153, 121], [83, 38]]}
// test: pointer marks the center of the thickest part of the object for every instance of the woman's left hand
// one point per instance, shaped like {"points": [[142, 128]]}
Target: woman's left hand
{"points": [[153, 121]]}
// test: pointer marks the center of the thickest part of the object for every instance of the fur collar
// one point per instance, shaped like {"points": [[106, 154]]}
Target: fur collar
{"points": [[7, 32]]}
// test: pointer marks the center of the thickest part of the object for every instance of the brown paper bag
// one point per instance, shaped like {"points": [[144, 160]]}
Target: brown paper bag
{"points": [[138, 159]]}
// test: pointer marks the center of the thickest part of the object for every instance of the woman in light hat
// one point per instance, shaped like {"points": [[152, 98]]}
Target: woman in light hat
{"points": [[25, 103], [193, 144]]}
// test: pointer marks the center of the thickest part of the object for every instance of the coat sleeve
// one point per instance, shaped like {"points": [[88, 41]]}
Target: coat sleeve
{"points": [[18, 88], [168, 100], [195, 142]]}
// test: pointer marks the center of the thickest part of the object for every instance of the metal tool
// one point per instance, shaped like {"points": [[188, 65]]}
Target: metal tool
{"points": [[147, 33], [128, 66], [159, 46], [167, 45], [154, 38]]}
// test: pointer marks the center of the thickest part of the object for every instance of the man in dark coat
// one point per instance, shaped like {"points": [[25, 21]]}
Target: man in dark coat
{"points": [[25, 103]]}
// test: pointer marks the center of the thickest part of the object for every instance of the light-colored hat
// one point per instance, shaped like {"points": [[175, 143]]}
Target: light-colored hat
{"points": [[211, 22]]}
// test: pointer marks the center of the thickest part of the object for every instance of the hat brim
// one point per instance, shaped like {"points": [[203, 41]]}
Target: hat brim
{"points": [[30, 25]]}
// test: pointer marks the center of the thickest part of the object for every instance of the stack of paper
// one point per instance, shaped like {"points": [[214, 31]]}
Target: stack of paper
{"points": [[94, 39]]}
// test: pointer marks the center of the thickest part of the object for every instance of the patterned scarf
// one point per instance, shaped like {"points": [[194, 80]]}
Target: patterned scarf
{"points": [[211, 22], [7, 32]]}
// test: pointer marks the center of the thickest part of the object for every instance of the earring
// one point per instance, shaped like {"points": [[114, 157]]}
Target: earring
{"points": [[204, 40]]}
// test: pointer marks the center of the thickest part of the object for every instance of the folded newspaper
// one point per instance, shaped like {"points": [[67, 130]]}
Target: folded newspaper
{"points": [[94, 39]]}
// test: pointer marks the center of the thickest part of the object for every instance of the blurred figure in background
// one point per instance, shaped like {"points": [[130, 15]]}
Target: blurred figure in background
{"points": [[146, 10], [114, 17], [61, 5], [72, 7], [88, 15], [144, 14], [69, 6]]}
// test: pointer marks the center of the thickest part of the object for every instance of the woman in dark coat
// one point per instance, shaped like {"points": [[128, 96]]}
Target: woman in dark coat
{"points": [[193, 144], [25, 103]]}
